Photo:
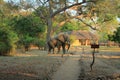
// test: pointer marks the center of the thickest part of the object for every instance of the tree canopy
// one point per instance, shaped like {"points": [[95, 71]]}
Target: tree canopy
{"points": [[116, 36], [35, 19], [93, 13]]}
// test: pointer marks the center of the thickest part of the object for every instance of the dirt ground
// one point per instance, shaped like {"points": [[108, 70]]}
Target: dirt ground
{"points": [[106, 66], [37, 65], [32, 65]]}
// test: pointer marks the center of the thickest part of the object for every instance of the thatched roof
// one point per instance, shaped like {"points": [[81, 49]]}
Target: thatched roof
{"points": [[82, 35]]}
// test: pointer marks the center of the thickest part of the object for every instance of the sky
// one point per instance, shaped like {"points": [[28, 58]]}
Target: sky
{"points": [[32, 0], [12, 0]]}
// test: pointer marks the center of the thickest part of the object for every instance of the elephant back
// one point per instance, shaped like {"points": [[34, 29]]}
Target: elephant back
{"points": [[63, 38]]}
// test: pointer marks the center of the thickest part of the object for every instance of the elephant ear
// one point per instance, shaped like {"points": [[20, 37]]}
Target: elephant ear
{"points": [[66, 38], [61, 38]]}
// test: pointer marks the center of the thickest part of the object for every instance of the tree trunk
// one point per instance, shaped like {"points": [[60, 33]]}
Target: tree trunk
{"points": [[49, 28], [49, 22]]}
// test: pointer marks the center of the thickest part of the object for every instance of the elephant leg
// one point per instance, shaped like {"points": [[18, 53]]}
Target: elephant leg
{"points": [[63, 47], [58, 49], [68, 46], [53, 51], [49, 51]]}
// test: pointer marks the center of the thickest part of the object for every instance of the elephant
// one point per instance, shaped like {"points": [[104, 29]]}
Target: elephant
{"points": [[52, 43], [61, 40], [65, 40]]}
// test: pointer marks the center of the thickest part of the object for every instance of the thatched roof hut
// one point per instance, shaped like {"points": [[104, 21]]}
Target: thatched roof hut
{"points": [[82, 37]]}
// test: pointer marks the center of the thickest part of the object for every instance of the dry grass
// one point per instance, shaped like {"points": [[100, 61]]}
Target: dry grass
{"points": [[32, 65], [106, 66], [37, 65]]}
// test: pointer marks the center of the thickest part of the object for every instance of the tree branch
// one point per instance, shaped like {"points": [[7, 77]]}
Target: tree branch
{"points": [[94, 28], [76, 17], [67, 7], [43, 3], [67, 20]]}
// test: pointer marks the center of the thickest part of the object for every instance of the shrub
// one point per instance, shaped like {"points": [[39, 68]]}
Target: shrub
{"points": [[39, 43], [26, 41], [8, 40]]}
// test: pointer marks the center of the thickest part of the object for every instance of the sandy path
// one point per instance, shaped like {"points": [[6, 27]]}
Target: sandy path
{"points": [[77, 67], [69, 70]]}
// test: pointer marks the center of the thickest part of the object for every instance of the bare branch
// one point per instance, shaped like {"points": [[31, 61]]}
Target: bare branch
{"points": [[67, 7], [77, 17], [41, 14], [43, 3], [92, 20], [94, 28]]}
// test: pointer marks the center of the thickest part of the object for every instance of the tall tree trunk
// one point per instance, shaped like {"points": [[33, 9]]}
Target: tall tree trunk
{"points": [[49, 28], [49, 22]]}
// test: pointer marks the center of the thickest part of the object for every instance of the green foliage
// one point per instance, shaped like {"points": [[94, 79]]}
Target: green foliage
{"points": [[106, 9], [67, 27], [107, 28], [40, 43], [8, 40], [28, 25], [28, 28], [8, 37], [116, 36], [103, 36], [22, 30], [110, 37], [26, 41], [73, 25]]}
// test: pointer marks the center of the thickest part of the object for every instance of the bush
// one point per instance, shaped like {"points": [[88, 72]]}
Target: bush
{"points": [[39, 43], [26, 41], [7, 40], [28, 29]]}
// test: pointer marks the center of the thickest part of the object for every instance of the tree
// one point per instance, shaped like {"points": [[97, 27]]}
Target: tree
{"points": [[28, 28], [8, 40], [8, 37], [73, 25], [68, 27], [92, 13], [57, 7], [90, 10], [116, 36]]}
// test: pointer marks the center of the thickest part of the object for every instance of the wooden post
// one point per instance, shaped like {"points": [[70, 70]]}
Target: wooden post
{"points": [[93, 54], [94, 46]]}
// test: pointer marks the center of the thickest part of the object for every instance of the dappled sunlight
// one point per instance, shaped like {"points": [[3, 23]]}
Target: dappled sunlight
{"points": [[59, 55], [24, 55], [76, 58], [20, 74], [31, 53], [112, 50], [108, 57]]}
